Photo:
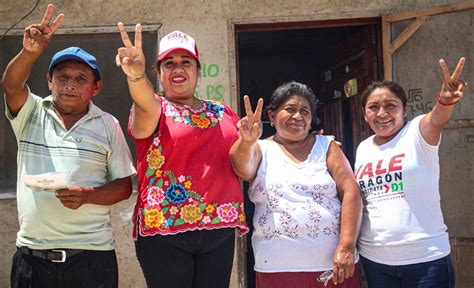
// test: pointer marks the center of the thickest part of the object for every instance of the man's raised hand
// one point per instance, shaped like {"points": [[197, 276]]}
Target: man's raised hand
{"points": [[36, 37]]}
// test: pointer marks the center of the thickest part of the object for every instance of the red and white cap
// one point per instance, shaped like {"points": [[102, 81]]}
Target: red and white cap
{"points": [[177, 40]]}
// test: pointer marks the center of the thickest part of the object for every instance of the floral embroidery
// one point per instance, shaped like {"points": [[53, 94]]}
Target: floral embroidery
{"points": [[210, 208], [201, 121], [328, 231], [291, 232], [227, 212], [262, 220], [153, 218], [173, 210], [158, 173], [313, 231], [206, 219], [176, 193], [155, 159], [313, 224], [268, 234], [315, 216], [155, 195], [191, 214], [285, 218], [208, 116], [171, 202], [187, 184], [216, 108], [272, 202]]}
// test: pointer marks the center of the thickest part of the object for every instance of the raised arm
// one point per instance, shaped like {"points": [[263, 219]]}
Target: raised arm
{"points": [[36, 38], [146, 109], [451, 93], [245, 154], [351, 213]]}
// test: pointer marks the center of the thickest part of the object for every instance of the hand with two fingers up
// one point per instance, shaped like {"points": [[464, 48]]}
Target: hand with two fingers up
{"points": [[36, 37], [453, 88], [250, 126], [131, 57]]}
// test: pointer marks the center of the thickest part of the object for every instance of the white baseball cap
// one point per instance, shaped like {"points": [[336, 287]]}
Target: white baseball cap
{"points": [[177, 40]]}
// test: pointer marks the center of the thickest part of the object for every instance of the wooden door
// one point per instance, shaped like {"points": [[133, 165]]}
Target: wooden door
{"points": [[356, 58]]}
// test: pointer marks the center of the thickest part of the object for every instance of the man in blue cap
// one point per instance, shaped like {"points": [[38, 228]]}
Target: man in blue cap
{"points": [[65, 237]]}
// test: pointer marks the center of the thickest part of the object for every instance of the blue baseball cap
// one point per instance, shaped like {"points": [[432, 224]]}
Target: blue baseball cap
{"points": [[75, 53]]}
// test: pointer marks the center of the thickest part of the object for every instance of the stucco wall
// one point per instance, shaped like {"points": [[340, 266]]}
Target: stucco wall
{"points": [[211, 23], [445, 36], [208, 21]]}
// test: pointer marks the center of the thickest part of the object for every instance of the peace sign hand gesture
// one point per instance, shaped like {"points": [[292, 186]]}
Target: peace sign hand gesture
{"points": [[130, 57], [36, 37], [250, 127], [453, 89]]}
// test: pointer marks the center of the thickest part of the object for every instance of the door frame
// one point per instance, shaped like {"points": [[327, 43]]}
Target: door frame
{"points": [[235, 102]]}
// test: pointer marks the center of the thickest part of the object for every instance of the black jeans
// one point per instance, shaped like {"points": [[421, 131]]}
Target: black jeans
{"points": [[89, 269], [198, 259]]}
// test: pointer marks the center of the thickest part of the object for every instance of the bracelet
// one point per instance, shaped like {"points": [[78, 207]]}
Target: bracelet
{"points": [[138, 79], [443, 104]]}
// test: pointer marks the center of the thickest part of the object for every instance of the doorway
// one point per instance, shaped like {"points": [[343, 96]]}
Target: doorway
{"points": [[336, 58]]}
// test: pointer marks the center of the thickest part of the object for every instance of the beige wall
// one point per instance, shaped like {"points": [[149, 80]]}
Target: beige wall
{"points": [[423, 76], [211, 23]]}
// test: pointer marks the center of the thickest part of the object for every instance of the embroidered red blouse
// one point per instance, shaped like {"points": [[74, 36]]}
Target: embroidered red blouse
{"points": [[185, 178]]}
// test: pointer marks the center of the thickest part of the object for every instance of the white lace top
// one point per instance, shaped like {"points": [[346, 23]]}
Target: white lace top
{"points": [[297, 211]]}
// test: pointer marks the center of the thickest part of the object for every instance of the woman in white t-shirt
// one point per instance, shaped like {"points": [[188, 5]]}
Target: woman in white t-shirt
{"points": [[307, 203], [403, 240]]}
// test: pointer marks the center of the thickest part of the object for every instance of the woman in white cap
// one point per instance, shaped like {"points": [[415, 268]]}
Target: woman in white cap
{"points": [[190, 201]]}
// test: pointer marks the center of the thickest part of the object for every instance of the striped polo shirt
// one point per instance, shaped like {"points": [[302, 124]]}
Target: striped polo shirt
{"points": [[91, 153]]}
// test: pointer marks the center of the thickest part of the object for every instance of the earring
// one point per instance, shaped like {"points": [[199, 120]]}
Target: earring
{"points": [[271, 124]]}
